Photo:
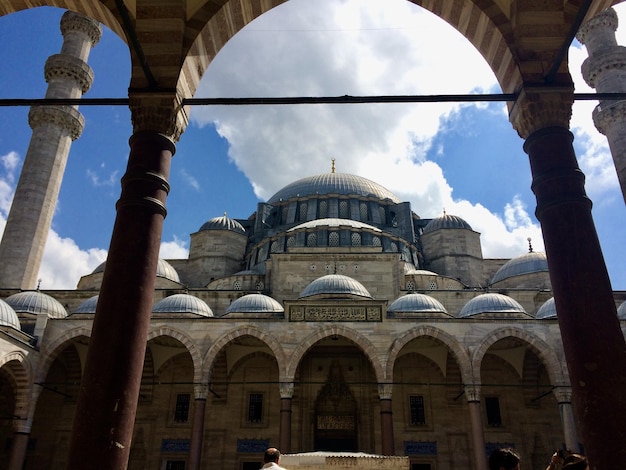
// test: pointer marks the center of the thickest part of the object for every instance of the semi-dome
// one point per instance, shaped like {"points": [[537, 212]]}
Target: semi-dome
{"points": [[621, 311], [36, 303], [333, 183], [337, 285], [88, 306], [547, 310], [255, 303], [420, 304], [491, 303], [8, 317], [183, 303], [164, 270], [528, 263], [446, 221], [335, 223], [223, 223]]}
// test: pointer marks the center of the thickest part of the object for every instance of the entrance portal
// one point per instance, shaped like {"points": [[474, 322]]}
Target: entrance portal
{"points": [[335, 414]]}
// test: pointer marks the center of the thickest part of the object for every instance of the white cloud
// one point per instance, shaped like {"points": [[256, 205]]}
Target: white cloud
{"points": [[174, 249], [98, 180], [190, 179], [64, 262]]}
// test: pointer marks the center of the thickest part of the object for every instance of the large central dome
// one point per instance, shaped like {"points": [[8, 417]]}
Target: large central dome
{"points": [[333, 183]]}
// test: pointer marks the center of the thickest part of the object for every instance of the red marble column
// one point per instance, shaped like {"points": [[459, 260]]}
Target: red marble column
{"points": [[18, 450], [107, 402], [592, 339], [472, 392], [386, 427], [197, 430], [286, 395]]}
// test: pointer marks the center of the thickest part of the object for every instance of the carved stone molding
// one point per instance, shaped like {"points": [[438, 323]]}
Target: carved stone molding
{"points": [[72, 21], [162, 112], [63, 117], [540, 107], [200, 391], [385, 391], [472, 392], [604, 19], [70, 68], [594, 67], [563, 394], [286, 390]]}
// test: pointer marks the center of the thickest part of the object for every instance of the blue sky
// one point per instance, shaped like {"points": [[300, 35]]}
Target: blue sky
{"points": [[465, 159]]}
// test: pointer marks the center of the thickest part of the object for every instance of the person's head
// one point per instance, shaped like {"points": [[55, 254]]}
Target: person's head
{"points": [[504, 458], [575, 462], [271, 455]]}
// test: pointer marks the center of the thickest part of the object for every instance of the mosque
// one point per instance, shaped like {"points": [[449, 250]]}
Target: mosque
{"points": [[333, 318]]}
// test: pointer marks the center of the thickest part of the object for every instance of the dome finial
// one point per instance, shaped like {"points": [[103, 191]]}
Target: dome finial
{"points": [[530, 245], [38, 283], [332, 167], [224, 213], [444, 211]]}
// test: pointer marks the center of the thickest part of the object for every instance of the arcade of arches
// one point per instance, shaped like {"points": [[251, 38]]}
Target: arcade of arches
{"points": [[318, 354]]}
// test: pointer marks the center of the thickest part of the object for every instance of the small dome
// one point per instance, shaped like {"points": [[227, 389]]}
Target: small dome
{"points": [[547, 310], [532, 262], [333, 183], [183, 303], [621, 311], [36, 303], [164, 270], [88, 306], [223, 223], [491, 303], [446, 221], [335, 284], [8, 317], [336, 223], [416, 304], [255, 303]]}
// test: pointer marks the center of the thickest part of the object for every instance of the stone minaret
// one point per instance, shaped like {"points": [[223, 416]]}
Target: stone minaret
{"points": [[605, 70], [54, 128]]}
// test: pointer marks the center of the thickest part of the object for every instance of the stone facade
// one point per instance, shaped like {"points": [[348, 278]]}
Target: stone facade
{"points": [[316, 325]]}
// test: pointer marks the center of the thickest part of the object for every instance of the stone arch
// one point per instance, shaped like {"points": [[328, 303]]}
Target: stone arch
{"points": [[21, 373], [185, 340], [50, 351], [242, 360], [336, 330], [91, 8], [243, 330], [458, 351], [553, 365]]}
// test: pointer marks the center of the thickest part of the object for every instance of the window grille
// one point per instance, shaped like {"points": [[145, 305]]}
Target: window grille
{"points": [[417, 414], [355, 239], [344, 210], [255, 408], [333, 239], [181, 412]]}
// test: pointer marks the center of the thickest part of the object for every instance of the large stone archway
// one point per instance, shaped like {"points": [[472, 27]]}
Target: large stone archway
{"points": [[522, 42]]}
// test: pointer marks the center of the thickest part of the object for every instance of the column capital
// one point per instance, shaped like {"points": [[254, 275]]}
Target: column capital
{"points": [[200, 391], [562, 393], [472, 392], [384, 391], [159, 111], [605, 19], [538, 107], [286, 390]]}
